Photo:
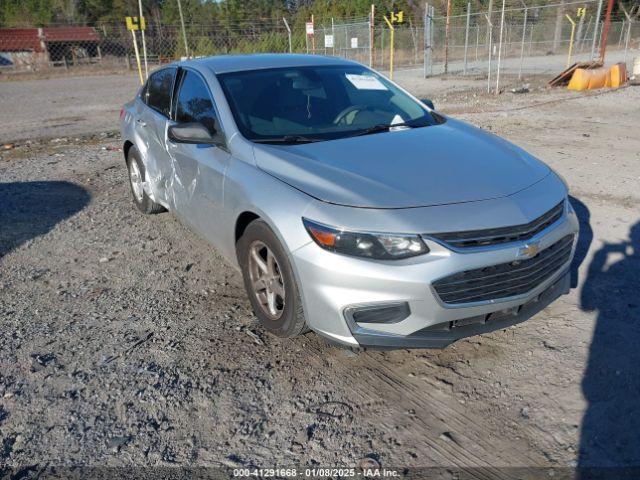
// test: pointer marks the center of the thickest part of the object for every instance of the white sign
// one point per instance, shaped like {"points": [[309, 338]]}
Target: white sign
{"points": [[354, 42], [365, 82], [309, 28], [328, 41]]}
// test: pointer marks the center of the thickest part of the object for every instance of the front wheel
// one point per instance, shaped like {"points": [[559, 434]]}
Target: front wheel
{"points": [[269, 281]]}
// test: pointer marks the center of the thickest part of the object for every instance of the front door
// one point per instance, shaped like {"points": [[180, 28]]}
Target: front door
{"points": [[199, 169]]}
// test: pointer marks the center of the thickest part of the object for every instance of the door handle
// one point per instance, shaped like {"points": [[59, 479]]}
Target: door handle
{"points": [[141, 122]]}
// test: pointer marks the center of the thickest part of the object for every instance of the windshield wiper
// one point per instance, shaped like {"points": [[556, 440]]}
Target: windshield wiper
{"points": [[288, 139], [381, 127]]}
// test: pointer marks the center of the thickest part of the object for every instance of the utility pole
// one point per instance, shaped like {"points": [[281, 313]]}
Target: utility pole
{"points": [[489, 24], [184, 32], [500, 48], [446, 38], [605, 31], [490, 37], [144, 45], [371, 34], [466, 38], [428, 39], [524, 33], [557, 34]]}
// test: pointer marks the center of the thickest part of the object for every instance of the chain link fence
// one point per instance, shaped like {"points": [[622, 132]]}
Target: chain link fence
{"points": [[530, 39], [111, 44], [350, 40], [527, 40]]}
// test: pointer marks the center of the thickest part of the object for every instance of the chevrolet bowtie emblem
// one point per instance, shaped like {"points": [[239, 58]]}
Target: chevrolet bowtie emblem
{"points": [[530, 250]]}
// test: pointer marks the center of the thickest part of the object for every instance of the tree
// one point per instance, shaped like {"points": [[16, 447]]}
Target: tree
{"points": [[226, 14], [560, 19], [26, 13]]}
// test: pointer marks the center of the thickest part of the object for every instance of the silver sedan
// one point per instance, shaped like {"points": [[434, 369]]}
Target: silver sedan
{"points": [[351, 208]]}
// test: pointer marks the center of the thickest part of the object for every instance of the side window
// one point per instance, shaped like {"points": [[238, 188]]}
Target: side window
{"points": [[194, 102], [158, 90]]}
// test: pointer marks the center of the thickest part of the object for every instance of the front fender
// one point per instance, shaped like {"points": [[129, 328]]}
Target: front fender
{"points": [[249, 189]]}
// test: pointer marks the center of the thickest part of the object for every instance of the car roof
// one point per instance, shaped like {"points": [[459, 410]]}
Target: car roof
{"points": [[238, 63]]}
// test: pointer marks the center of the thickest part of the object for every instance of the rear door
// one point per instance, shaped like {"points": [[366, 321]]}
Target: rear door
{"points": [[151, 123], [199, 169]]}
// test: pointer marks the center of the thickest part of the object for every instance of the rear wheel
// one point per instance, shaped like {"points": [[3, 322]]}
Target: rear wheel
{"points": [[269, 281], [137, 177]]}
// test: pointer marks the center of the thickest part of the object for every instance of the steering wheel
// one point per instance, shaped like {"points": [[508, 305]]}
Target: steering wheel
{"points": [[341, 118]]}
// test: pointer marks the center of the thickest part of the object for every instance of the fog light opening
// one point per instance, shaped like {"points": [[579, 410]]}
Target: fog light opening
{"points": [[381, 313]]}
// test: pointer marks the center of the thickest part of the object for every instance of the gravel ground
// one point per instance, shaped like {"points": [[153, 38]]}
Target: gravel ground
{"points": [[126, 340], [61, 106]]}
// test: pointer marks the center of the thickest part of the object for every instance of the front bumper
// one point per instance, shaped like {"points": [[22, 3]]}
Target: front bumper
{"points": [[431, 337], [334, 285]]}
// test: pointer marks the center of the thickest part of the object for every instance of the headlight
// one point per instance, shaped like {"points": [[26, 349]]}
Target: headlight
{"points": [[380, 246]]}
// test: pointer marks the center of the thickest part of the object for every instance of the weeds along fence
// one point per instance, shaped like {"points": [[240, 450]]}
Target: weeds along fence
{"points": [[111, 45], [529, 39]]}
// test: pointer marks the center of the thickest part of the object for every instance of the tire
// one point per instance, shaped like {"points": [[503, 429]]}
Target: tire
{"points": [[140, 198], [289, 320]]}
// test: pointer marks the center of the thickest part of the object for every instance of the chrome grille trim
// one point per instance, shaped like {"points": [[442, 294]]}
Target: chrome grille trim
{"points": [[506, 279], [496, 236]]}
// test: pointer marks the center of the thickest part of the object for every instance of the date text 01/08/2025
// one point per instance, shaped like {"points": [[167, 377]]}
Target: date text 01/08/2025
{"points": [[314, 472]]}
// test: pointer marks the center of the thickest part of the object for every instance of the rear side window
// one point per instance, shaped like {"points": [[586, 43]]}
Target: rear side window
{"points": [[158, 90], [194, 102]]}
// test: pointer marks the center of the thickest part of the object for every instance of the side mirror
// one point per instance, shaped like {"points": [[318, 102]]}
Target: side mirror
{"points": [[428, 103], [195, 133]]}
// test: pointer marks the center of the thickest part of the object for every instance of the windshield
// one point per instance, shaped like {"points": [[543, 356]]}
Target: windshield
{"points": [[317, 103]]}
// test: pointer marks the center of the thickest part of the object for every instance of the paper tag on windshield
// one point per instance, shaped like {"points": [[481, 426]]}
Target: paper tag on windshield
{"points": [[365, 82], [395, 120]]}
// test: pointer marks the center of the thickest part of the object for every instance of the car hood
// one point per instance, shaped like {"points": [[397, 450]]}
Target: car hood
{"points": [[438, 165]]}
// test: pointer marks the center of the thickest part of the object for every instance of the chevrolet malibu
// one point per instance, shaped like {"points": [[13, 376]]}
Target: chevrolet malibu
{"points": [[351, 208]]}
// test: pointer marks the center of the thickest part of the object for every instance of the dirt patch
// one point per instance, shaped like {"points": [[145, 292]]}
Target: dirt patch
{"points": [[128, 341], [65, 106]]}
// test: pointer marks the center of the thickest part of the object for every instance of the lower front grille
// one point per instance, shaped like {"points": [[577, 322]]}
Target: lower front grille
{"points": [[506, 279]]}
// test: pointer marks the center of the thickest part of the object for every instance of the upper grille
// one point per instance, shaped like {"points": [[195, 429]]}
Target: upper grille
{"points": [[495, 236], [506, 279]]}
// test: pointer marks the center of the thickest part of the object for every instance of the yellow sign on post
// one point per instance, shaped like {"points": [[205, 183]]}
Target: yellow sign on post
{"points": [[396, 17], [573, 29], [135, 23]]}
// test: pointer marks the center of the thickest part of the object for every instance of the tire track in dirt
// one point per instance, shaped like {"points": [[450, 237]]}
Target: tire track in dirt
{"points": [[450, 433]]}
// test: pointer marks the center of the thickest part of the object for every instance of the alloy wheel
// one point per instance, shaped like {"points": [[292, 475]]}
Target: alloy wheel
{"points": [[266, 280], [136, 180]]}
